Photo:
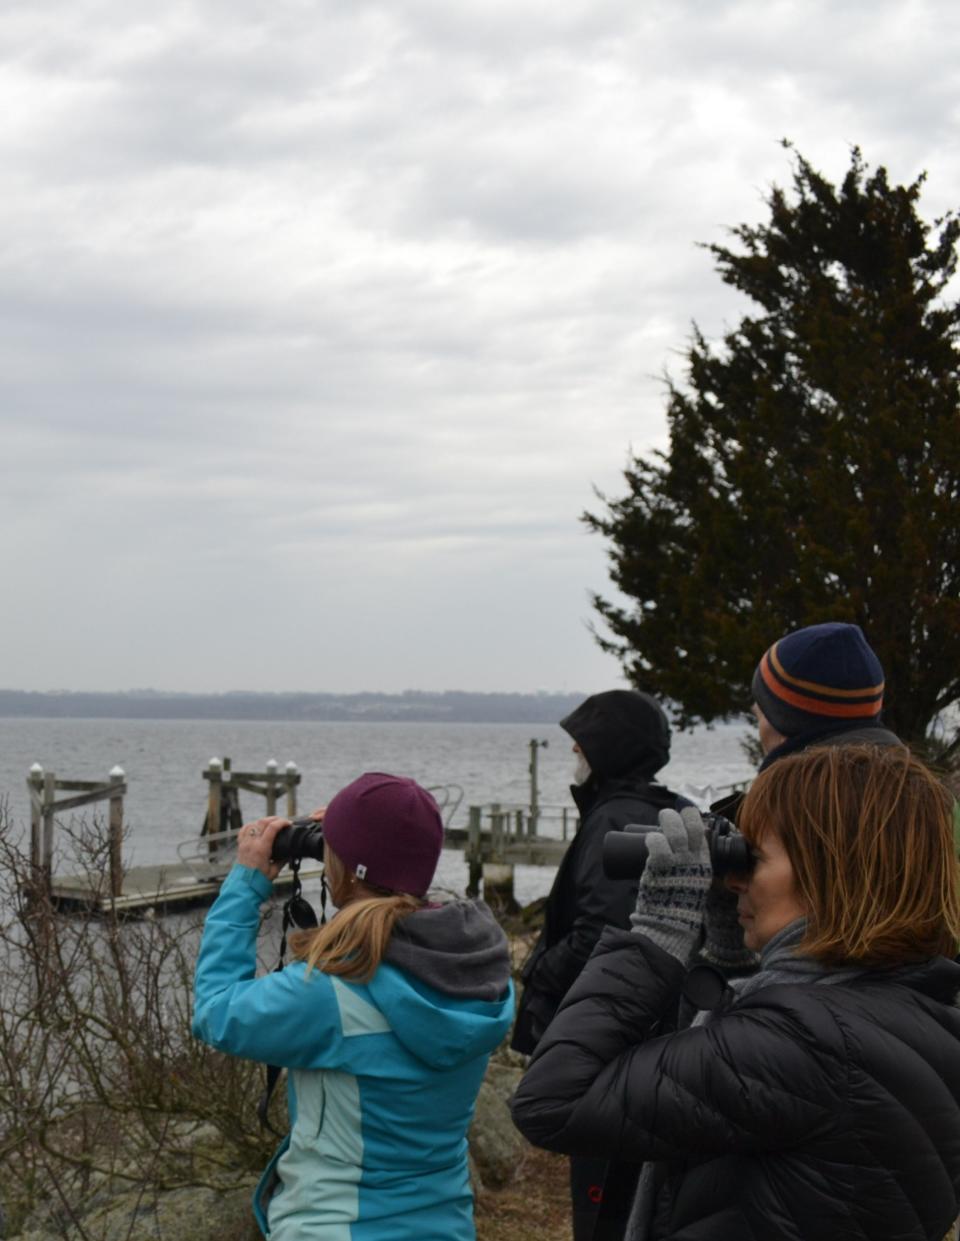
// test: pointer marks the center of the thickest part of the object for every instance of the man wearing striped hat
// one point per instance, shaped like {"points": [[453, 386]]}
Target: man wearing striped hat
{"points": [[822, 685]]}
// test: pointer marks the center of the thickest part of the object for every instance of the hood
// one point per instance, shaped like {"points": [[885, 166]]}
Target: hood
{"points": [[444, 985], [458, 948], [620, 730]]}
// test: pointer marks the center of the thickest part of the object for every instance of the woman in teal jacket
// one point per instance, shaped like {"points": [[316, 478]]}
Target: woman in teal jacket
{"points": [[385, 1023]]}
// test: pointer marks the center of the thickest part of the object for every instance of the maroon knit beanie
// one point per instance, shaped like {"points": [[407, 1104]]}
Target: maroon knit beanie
{"points": [[387, 830]]}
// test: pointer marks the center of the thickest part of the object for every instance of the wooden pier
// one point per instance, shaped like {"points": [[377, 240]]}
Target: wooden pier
{"points": [[178, 886], [495, 840], [163, 889], [521, 851], [203, 861]]}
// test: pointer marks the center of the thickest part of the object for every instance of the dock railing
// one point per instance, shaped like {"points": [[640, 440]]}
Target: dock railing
{"points": [[502, 834], [499, 835]]}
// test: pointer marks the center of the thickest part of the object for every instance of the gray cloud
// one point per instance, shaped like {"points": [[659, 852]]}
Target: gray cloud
{"points": [[319, 322]]}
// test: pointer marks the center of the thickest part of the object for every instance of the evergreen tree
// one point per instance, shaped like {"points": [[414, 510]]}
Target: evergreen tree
{"points": [[813, 471]]}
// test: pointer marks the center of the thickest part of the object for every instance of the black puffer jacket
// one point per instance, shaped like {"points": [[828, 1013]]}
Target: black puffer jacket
{"points": [[804, 1113]]}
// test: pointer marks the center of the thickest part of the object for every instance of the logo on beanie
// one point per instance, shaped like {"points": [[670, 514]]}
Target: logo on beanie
{"points": [[361, 871]]}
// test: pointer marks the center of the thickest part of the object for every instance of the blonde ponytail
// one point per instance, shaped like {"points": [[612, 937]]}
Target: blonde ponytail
{"points": [[352, 943]]}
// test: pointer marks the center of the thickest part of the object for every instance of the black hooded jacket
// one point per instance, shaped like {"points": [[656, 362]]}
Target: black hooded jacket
{"points": [[625, 738], [804, 1113]]}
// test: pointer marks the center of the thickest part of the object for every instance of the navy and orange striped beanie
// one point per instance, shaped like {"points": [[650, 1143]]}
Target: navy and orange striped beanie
{"points": [[817, 676]]}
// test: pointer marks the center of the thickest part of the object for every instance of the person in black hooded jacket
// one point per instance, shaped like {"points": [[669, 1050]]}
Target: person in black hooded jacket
{"points": [[622, 739], [819, 1099]]}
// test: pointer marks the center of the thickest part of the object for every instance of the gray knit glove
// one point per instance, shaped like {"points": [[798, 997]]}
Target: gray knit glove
{"points": [[723, 945], [674, 884]]}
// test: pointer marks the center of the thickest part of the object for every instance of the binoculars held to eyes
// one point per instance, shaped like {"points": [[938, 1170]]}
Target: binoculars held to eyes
{"points": [[625, 851], [303, 838]]}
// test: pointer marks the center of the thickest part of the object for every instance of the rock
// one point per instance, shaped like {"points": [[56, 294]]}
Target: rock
{"points": [[115, 1213], [476, 1181], [191, 1214], [195, 1136], [495, 1145], [504, 1078]]}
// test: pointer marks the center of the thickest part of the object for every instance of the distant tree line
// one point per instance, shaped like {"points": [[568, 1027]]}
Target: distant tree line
{"points": [[453, 706]]}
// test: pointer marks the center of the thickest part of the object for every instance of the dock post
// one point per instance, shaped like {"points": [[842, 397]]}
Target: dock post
{"points": [[473, 852], [46, 849], [498, 874], [498, 886], [117, 777], [230, 804], [496, 828], [534, 825], [214, 775], [291, 778], [270, 790], [35, 785]]}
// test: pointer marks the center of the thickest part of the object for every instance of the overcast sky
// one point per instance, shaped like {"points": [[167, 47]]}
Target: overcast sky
{"points": [[321, 321]]}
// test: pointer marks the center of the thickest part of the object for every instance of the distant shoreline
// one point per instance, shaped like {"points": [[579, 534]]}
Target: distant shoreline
{"points": [[413, 706]]}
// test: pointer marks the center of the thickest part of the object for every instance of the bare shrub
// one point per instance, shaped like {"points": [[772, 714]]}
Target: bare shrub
{"points": [[103, 1089]]}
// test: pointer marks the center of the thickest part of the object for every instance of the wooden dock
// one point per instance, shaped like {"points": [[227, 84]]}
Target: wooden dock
{"points": [[164, 889], [185, 885], [518, 850], [496, 838]]}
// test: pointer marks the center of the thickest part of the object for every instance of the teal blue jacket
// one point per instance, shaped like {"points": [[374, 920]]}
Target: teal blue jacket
{"points": [[382, 1081]]}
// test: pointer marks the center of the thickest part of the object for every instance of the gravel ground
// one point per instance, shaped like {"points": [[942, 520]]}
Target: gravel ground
{"points": [[535, 1207]]}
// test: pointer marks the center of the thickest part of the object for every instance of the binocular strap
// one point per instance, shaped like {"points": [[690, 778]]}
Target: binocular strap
{"points": [[298, 913]]}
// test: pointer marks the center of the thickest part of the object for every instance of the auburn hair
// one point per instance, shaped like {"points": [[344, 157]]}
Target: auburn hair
{"points": [[869, 834], [353, 942]]}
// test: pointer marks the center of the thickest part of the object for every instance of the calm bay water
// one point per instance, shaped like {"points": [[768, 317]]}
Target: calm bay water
{"points": [[166, 799]]}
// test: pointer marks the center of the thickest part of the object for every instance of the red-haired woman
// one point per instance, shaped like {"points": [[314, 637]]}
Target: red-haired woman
{"points": [[819, 1099]]}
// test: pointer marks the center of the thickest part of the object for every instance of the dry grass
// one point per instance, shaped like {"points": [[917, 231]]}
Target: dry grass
{"points": [[535, 1207]]}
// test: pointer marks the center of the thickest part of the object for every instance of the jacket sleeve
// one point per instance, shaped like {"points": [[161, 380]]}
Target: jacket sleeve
{"points": [[603, 1083], [599, 901], [287, 1018]]}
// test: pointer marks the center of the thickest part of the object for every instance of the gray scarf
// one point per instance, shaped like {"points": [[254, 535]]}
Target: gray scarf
{"points": [[779, 963]]}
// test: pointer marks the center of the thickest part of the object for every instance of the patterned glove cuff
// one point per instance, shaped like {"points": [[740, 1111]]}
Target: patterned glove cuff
{"points": [[729, 959], [678, 942]]}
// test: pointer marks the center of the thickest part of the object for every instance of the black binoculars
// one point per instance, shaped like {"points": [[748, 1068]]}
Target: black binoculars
{"points": [[303, 838], [625, 850]]}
